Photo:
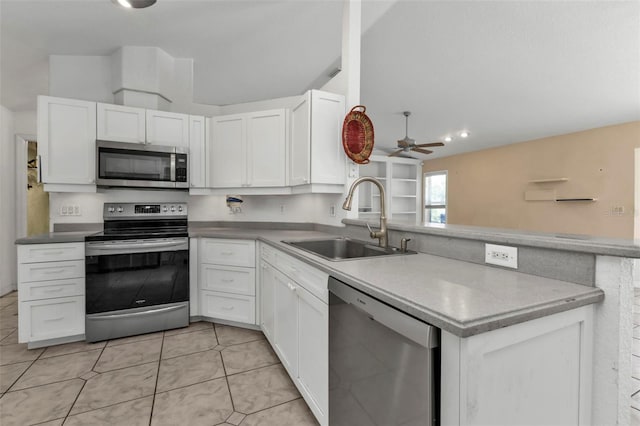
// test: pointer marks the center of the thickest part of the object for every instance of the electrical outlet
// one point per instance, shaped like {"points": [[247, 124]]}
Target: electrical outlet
{"points": [[501, 255], [282, 209], [70, 210], [332, 210]]}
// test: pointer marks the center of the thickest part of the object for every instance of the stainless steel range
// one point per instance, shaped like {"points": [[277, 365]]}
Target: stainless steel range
{"points": [[137, 271]]}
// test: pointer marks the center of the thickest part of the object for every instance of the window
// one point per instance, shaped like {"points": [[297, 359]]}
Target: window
{"points": [[435, 197]]}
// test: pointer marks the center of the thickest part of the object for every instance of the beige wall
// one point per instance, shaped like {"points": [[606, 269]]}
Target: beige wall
{"points": [[486, 188]]}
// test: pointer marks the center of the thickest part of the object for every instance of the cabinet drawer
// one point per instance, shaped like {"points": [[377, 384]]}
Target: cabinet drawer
{"points": [[232, 307], [47, 271], [51, 319], [228, 252], [228, 279], [268, 253], [51, 289], [32, 253], [312, 279]]}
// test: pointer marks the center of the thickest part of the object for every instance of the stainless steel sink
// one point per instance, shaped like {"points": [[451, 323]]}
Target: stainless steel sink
{"points": [[341, 248]]}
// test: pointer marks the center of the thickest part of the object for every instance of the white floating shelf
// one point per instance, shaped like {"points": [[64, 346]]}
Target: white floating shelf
{"points": [[549, 180]]}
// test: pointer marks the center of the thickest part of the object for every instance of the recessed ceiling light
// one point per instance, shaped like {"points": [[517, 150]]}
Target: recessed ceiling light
{"points": [[448, 139], [135, 4], [464, 134]]}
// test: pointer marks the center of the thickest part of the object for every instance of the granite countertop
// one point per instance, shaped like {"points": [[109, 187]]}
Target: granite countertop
{"points": [[460, 297]]}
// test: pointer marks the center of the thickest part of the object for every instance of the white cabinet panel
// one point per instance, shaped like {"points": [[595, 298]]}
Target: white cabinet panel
{"points": [[32, 253], [198, 130], [167, 128], [286, 322], [67, 140], [228, 252], [121, 123], [45, 271], [267, 300], [231, 307], [228, 279], [38, 290], [227, 154], [51, 318], [300, 146], [313, 352], [266, 148]]}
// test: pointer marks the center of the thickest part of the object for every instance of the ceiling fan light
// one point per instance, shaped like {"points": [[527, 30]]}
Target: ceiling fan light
{"points": [[124, 3], [135, 4], [448, 138], [464, 134]]}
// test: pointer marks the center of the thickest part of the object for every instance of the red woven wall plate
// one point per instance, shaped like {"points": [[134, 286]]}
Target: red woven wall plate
{"points": [[357, 135]]}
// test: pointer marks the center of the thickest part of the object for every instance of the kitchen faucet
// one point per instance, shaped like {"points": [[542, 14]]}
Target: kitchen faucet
{"points": [[381, 234]]}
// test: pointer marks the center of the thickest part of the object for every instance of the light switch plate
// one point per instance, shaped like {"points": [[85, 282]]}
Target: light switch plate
{"points": [[501, 255]]}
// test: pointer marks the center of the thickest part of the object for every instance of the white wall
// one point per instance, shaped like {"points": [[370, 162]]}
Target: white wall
{"points": [[80, 77], [7, 202]]}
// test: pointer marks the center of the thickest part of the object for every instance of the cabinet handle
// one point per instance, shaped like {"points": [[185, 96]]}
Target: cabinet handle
{"points": [[52, 253], [57, 290], [227, 280], [226, 253], [55, 319], [59, 271], [226, 308], [291, 287]]}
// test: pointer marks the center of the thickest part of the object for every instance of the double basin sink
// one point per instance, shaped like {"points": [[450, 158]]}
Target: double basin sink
{"points": [[341, 248]]}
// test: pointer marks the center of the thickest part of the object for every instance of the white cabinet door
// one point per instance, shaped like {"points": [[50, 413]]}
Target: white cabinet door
{"points": [[67, 140], [120, 123], [300, 145], [313, 355], [286, 322], [197, 151], [51, 318], [266, 148], [167, 128], [267, 300], [328, 160], [227, 153]]}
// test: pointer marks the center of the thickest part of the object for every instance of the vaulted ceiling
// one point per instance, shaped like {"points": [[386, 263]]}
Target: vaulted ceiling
{"points": [[505, 71]]}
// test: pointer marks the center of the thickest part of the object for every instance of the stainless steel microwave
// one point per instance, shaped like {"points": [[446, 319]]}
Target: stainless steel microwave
{"points": [[134, 165]]}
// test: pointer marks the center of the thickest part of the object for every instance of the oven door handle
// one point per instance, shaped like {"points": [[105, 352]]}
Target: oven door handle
{"points": [[138, 314], [138, 246]]}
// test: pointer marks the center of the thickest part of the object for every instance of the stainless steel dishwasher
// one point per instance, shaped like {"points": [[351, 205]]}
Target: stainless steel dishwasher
{"points": [[384, 365]]}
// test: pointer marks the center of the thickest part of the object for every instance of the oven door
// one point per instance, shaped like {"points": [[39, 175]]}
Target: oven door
{"points": [[135, 165], [129, 274]]}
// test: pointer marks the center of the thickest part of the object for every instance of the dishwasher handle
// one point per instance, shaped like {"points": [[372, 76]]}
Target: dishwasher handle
{"points": [[413, 329]]}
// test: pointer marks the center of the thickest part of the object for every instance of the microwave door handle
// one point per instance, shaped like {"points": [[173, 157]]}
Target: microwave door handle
{"points": [[173, 167]]}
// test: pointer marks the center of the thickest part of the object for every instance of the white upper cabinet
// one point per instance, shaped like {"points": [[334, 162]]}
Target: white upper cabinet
{"points": [[316, 155], [198, 129], [167, 128], [248, 150], [121, 123], [67, 140], [227, 155]]}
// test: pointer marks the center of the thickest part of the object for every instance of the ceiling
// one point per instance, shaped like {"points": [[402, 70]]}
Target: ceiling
{"points": [[505, 71]]}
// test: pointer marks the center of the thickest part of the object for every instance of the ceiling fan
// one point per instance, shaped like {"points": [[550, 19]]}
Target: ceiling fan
{"points": [[407, 144]]}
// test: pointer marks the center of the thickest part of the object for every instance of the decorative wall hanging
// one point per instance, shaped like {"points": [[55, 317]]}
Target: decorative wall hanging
{"points": [[357, 135]]}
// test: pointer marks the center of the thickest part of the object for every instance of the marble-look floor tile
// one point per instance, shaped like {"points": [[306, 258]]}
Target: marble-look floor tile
{"points": [[248, 356], [263, 388], [11, 354], [8, 300], [5, 332], [128, 355], [56, 422], [188, 343], [189, 369], [11, 339], [57, 369], [194, 326], [71, 348], [635, 417], [235, 418], [228, 335], [9, 374], [137, 338], [205, 404], [117, 386], [39, 404], [130, 413], [294, 413]]}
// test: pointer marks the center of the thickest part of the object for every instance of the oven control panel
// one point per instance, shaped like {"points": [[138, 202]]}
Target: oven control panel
{"points": [[133, 210]]}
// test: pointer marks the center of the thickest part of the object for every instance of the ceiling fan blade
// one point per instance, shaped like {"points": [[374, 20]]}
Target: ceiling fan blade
{"points": [[430, 144], [422, 151], [393, 154]]}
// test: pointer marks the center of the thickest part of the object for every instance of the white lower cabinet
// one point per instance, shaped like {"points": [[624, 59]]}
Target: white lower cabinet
{"points": [[295, 320], [226, 280], [51, 293]]}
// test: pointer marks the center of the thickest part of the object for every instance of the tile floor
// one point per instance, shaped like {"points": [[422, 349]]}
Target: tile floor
{"points": [[204, 374]]}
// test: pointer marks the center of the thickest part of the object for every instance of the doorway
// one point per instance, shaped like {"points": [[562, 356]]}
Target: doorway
{"points": [[32, 201]]}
